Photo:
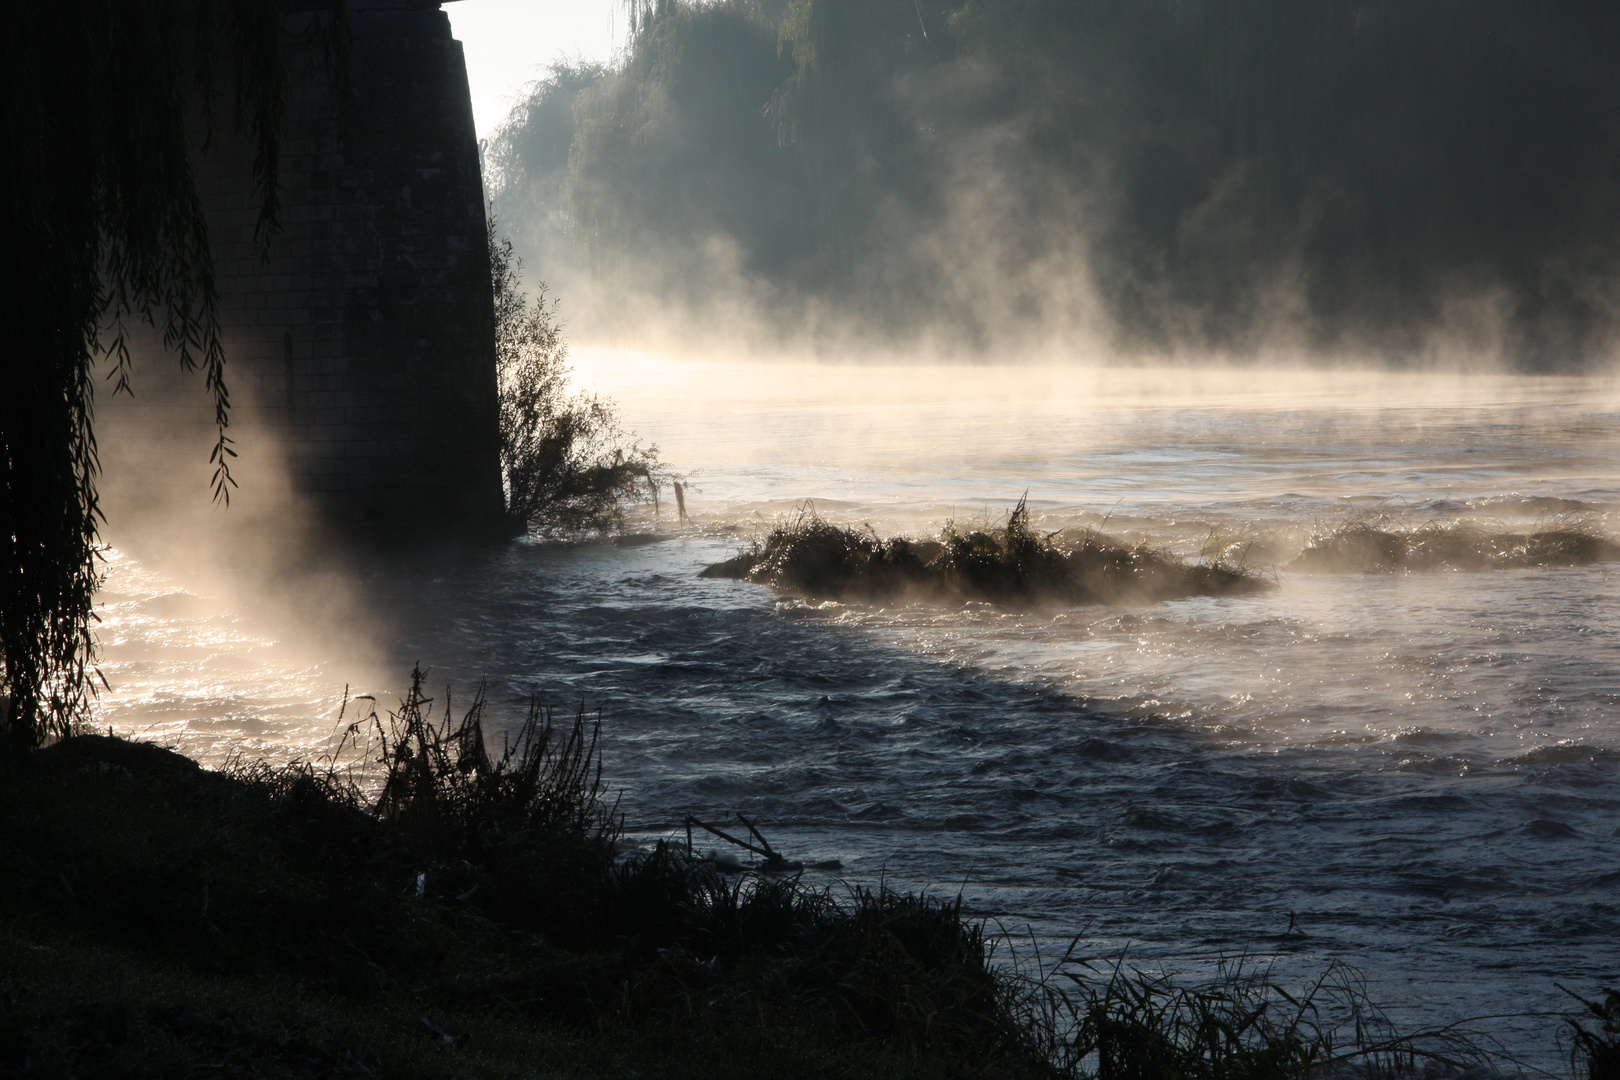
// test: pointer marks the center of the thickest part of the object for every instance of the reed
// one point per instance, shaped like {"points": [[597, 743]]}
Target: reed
{"points": [[1595, 1054], [1110, 1021], [1014, 565]]}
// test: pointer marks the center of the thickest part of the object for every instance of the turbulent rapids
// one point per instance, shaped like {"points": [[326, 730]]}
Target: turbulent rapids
{"points": [[1367, 547], [1402, 752]]}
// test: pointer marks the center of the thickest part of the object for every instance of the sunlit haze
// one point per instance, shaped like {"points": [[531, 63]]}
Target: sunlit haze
{"points": [[508, 43], [1143, 471]]}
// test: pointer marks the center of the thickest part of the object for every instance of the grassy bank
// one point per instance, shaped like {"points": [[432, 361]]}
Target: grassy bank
{"points": [[1014, 566], [467, 910]]}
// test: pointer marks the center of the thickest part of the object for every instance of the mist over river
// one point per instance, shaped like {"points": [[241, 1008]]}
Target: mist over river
{"points": [[1421, 771]]}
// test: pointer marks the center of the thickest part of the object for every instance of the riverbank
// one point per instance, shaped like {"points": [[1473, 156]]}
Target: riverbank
{"points": [[475, 916], [468, 913]]}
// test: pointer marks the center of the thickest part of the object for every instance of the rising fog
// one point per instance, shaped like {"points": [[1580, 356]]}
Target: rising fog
{"points": [[1350, 179]]}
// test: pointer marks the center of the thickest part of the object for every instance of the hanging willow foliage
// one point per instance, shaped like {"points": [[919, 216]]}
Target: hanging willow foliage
{"points": [[105, 104]]}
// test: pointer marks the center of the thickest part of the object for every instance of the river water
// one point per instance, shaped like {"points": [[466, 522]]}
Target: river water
{"points": [[1416, 774]]}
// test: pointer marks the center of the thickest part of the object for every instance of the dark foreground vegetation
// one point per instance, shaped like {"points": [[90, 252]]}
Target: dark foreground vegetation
{"points": [[1013, 565], [468, 912], [1377, 547]]}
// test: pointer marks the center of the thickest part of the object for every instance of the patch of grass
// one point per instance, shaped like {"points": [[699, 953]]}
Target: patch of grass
{"points": [[1127, 1024], [1014, 566], [1375, 546]]}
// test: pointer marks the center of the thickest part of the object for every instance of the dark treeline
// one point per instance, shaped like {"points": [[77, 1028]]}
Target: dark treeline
{"points": [[1399, 177]]}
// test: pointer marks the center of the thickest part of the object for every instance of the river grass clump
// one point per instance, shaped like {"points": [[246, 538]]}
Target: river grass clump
{"points": [[1362, 546], [1014, 565]]}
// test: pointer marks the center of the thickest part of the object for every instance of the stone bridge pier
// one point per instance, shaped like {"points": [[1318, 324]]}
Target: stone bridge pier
{"points": [[364, 346]]}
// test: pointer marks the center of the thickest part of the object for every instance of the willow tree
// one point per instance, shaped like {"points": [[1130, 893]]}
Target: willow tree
{"points": [[106, 104]]}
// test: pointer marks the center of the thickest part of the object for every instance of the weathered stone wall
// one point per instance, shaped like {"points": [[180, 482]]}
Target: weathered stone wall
{"points": [[365, 343]]}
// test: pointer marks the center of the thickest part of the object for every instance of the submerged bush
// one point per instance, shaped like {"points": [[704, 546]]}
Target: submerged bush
{"points": [[1362, 546], [568, 465], [1012, 565]]}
